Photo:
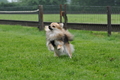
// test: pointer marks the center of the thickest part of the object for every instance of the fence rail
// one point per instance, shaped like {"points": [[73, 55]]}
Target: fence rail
{"points": [[78, 26], [19, 12]]}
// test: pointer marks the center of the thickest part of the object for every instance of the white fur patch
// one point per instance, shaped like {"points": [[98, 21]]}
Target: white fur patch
{"points": [[53, 35], [46, 28]]}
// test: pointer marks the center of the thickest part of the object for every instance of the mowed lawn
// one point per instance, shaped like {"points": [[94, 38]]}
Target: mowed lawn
{"points": [[72, 18], [24, 56]]}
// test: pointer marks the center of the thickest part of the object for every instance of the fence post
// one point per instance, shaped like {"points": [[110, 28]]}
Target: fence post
{"points": [[109, 20], [60, 13], [65, 16], [40, 18]]}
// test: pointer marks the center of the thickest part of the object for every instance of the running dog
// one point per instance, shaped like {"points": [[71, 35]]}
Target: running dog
{"points": [[58, 39]]}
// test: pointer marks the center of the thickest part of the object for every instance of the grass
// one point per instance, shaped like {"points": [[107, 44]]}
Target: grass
{"points": [[24, 56], [74, 18]]}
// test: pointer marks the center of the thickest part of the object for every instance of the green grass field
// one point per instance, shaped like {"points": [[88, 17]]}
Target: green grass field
{"points": [[72, 18], [24, 56]]}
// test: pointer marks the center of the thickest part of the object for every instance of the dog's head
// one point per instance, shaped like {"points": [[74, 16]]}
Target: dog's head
{"points": [[54, 26]]}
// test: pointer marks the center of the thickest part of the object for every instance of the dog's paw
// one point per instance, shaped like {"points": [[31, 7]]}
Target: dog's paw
{"points": [[59, 47], [52, 49]]}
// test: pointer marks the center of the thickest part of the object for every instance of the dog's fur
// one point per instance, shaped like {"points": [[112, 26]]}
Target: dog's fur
{"points": [[58, 39]]}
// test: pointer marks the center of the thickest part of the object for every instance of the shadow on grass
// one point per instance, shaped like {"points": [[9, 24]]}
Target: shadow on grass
{"points": [[101, 34], [62, 57]]}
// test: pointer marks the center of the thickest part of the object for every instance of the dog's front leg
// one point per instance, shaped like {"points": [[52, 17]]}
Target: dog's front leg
{"points": [[50, 46]]}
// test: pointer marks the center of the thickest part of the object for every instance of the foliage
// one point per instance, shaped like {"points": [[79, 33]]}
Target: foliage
{"points": [[79, 3], [24, 56], [42, 2], [4, 1], [57, 2], [8, 4], [117, 2], [97, 2]]}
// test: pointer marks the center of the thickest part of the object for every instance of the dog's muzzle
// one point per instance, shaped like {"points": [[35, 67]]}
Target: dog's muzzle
{"points": [[50, 28]]}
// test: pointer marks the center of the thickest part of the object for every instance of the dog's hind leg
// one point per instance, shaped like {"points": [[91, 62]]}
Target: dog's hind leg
{"points": [[68, 50]]}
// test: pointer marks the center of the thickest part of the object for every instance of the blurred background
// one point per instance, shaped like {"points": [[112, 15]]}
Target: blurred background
{"points": [[78, 11], [56, 2]]}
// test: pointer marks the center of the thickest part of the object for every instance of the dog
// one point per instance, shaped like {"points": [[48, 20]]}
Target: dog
{"points": [[58, 39]]}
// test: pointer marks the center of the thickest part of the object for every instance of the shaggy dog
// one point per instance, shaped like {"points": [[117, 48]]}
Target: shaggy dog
{"points": [[58, 39]]}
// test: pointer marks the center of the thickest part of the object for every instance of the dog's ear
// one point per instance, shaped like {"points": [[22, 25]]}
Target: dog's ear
{"points": [[61, 25]]}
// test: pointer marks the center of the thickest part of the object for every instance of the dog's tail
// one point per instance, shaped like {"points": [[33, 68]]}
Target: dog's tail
{"points": [[69, 35]]}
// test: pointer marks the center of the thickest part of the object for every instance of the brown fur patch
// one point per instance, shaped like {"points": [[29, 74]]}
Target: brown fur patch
{"points": [[69, 50], [56, 25]]}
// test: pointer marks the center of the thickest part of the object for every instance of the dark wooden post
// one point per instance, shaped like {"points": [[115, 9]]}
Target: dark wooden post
{"points": [[60, 13], [65, 17], [40, 18], [109, 20]]}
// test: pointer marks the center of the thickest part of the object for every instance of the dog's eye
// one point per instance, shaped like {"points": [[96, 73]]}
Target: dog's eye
{"points": [[53, 26]]}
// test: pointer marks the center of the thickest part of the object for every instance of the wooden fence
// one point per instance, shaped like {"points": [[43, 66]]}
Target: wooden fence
{"points": [[63, 13]]}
